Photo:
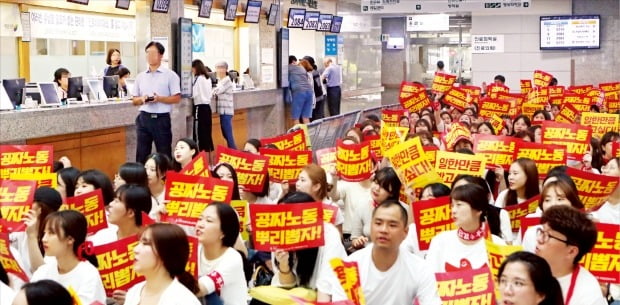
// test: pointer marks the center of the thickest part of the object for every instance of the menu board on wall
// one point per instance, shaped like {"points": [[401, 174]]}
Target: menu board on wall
{"points": [[184, 56]]}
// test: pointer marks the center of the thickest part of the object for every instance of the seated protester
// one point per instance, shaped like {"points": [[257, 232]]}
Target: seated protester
{"points": [[388, 273], [356, 133], [504, 217], [560, 190], [425, 137], [430, 191], [610, 211], [312, 180], [413, 117], [536, 132], [520, 123], [385, 186], [368, 125], [309, 268], [184, 151], [252, 146], [65, 240], [43, 292], [92, 179], [485, 128], [29, 244], [464, 248], [403, 121], [161, 256], [522, 183], [125, 213], [226, 172], [593, 159], [131, 173], [156, 166], [65, 182], [607, 143], [220, 267], [526, 279], [424, 125], [445, 123], [525, 135], [565, 237], [541, 115]]}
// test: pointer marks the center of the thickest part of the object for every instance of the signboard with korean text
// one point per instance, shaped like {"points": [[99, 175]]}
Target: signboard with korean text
{"points": [[413, 96], [391, 136], [25, 159], [199, 166], [497, 254], [241, 207], [285, 165], [568, 114], [188, 196], [601, 122], [409, 161], [451, 164], [331, 45], [482, 44], [391, 117], [428, 22], [526, 86], [593, 189], [546, 156], [16, 197], [353, 161], [326, 158], [466, 286], [491, 107], [575, 137], [542, 78], [116, 264], [287, 226], [251, 169], [602, 260], [92, 206], [431, 218], [349, 277], [442, 82], [8, 261], [456, 98], [497, 150], [425, 6], [295, 140], [519, 211]]}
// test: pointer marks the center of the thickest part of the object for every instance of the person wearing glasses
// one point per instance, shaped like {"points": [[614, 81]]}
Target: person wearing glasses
{"points": [[565, 236]]}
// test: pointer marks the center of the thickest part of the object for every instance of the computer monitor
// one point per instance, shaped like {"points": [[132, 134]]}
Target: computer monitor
{"points": [[75, 88], [234, 76], [49, 94], [14, 88], [130, 84], [31, 90], [110, 86], [95, 90]]}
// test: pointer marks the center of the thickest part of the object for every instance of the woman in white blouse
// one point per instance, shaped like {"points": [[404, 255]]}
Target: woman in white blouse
{"points": [[161, 256], [201, 94]]}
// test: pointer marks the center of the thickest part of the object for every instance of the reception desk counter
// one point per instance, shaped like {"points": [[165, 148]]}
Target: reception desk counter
{"points": [[102, 135]]}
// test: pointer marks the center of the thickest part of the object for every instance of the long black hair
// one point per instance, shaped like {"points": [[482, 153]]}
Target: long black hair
{"points": [[70, 223]]}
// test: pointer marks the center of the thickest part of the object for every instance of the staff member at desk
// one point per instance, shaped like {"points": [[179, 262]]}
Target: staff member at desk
{"points": [[123, 75], [155, 90], [61, 78], [113, 59]]}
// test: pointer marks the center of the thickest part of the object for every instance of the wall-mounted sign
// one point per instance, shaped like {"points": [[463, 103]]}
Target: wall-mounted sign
{"points": [[184, 56], [325, 22], [161, 6], [481, 44], [26, 32], [331, 45], [336, 24], [231, 10], [274, 9], [205, 8], [431, 22], [426, 6], [309, 3], [81, 26], [252, 11], [356, 24], [311, 21], [296, 17]]}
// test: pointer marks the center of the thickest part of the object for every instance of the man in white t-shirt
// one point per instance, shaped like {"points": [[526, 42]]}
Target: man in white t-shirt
{"points": [[565, 236], [389, 274]]}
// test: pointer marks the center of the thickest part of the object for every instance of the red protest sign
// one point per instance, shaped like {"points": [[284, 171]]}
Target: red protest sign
{"points": [[285, 165], [199, 166], [527, 222], [542, 78], [392, 117], [546, 156], [188, 196], [116, 264], [413, 96], [526, 86], [16, 197], [602, 260], [612, 105], [519, 211], [582, 89], [493, 90], [146, 220], [581, 102], [497, 150], [575, 138], [192, 260], [431, 154], [287, 226], [538, 96], [375, 145], [610, 87], [615, 149], [326, 158], [466, 286], [329, 213], [516, 102], [25, 159], [349, 278], [92, 206], [431, 218], [7, 259], [556, 91], [568, 114], [295, 140], [528, 109], [353, 162], [473, 93], [593, 189], [442, 82], [251, 169], [456, 98], [491, 107]]}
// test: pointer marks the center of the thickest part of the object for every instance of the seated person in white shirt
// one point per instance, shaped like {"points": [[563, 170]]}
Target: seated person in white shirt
{"points": [[388, 273], [565, 237], [42, 292]]}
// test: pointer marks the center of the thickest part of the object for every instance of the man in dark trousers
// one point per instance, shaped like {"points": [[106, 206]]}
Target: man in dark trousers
{"points": [[332, 76]]}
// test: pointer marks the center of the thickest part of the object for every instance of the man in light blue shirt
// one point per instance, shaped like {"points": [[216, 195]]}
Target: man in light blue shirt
{"points": [[155, 90], [332, 77]]}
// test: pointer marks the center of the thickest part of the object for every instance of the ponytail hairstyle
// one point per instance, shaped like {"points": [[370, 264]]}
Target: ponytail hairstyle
{"points": [[70, 223], [172, 247], [477, 198]]}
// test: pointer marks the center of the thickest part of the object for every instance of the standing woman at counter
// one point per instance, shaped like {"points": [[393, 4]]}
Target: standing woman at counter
{"points": [[61, 78], [113, 61], [224, 96], [201, 94]]}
